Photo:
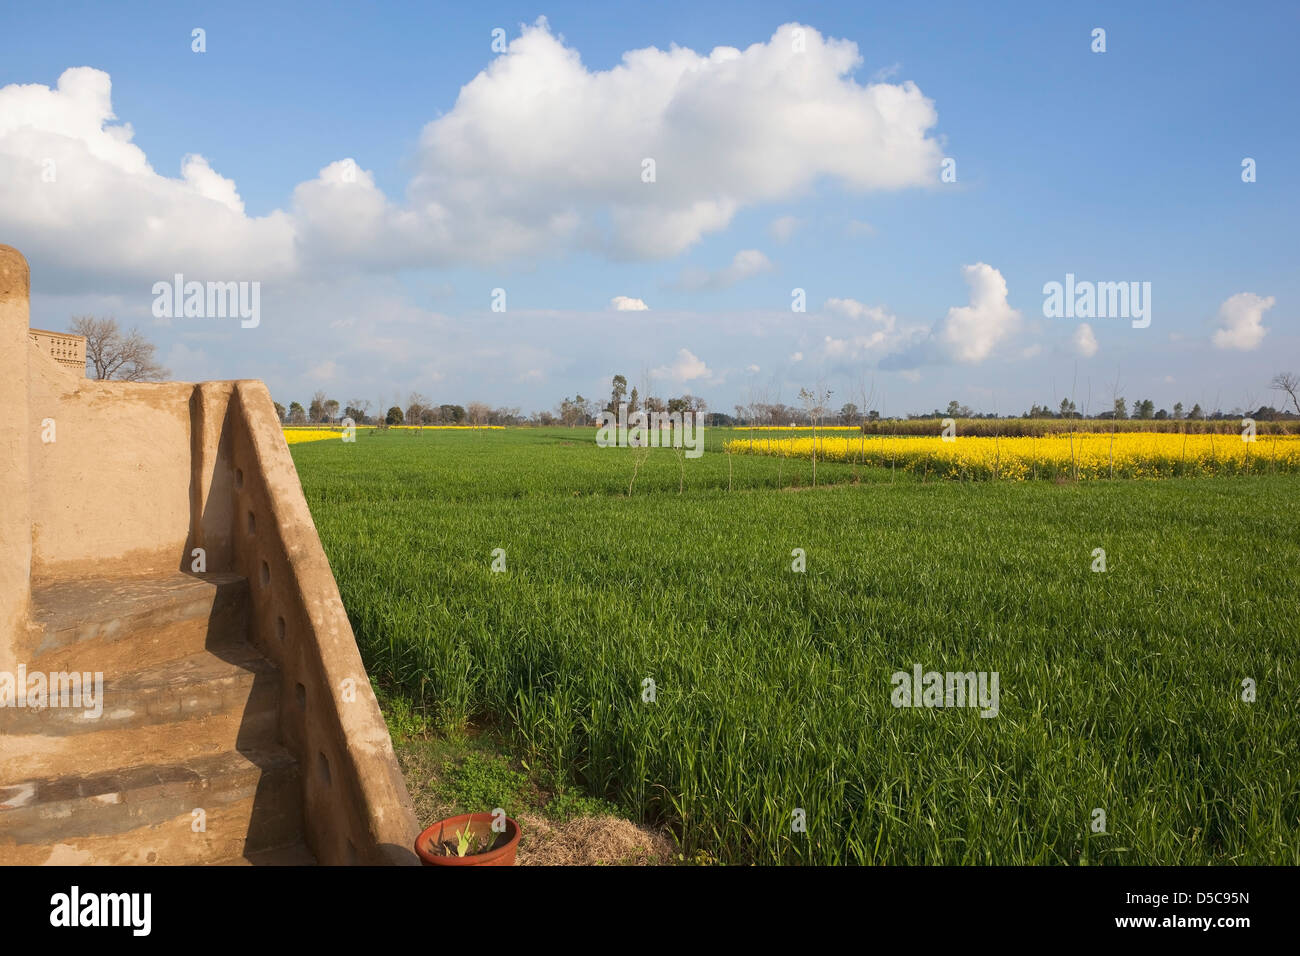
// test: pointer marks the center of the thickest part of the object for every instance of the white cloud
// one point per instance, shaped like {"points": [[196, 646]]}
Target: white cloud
{"points": [[745, 264], [539, 120], [106, 209], [210, 184], [539, 154], [344, 221], [686, 368], [783, 228], [1085, 342], [882, 333], [836, 348], [1241, 321], [971, 332], [853, 309], [622, 303]]}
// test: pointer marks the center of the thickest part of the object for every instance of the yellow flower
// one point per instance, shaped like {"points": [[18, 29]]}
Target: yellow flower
{"points": [[1081, 455], [297, 436]]}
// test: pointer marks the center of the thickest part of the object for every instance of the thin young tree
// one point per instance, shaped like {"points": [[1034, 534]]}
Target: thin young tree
{"points": [[652, 404], [865, 398], [814, 403], [1116, 403]]}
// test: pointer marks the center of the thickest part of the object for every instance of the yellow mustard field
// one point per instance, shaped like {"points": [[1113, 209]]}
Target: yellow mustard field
{"points": [[1123, 455], [297, 436], [800, 428], [444, 428]]}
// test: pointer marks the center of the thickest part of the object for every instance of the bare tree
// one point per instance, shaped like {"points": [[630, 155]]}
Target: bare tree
{"points": [[641, 448], [1289, 383], [814, 404], [358, 410], [127, 357], [416, 403], [865, 395], [774, 409], [316, 410], [1116, 401]]}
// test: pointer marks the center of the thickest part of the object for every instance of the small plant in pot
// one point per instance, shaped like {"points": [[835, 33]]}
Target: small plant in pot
{"points": [[470, 839]]}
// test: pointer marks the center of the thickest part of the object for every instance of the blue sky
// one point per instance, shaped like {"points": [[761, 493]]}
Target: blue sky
{"points": [[1116, 166]]}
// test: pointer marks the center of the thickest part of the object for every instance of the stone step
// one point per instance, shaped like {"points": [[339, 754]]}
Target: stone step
{"points": [[295, 854], [116, 625], [206, 703], [249, 802]]}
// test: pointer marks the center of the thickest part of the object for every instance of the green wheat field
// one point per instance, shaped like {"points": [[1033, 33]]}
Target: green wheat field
{"points": [[1120, 692]]}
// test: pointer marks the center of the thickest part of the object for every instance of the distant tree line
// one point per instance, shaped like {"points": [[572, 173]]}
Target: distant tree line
{"points": [[579, 411], [1145, 410], [419, 410]]}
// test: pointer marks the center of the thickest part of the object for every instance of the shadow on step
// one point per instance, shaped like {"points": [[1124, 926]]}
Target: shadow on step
{"points": [[275, 824], [183, 759]]}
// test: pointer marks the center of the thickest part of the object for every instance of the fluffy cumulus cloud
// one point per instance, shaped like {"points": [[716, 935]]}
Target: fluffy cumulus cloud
{"points": [[1241, 322], [853, 309], [76, 191], [744, 265], [685, 368], [971, 332], [538, 154], [1085, 341], [872, 331], [849, 332], [622, 303], [539, 143]]}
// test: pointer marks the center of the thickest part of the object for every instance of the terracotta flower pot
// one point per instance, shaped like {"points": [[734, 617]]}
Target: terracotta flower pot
{"points": [[480, 825]]}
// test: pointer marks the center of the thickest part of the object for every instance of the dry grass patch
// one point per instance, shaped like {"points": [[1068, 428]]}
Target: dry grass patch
{"points": [[591, 841]]}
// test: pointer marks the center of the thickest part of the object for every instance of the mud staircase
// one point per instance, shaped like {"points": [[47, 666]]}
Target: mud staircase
{"points": [[183, 763], [237, 722]]}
